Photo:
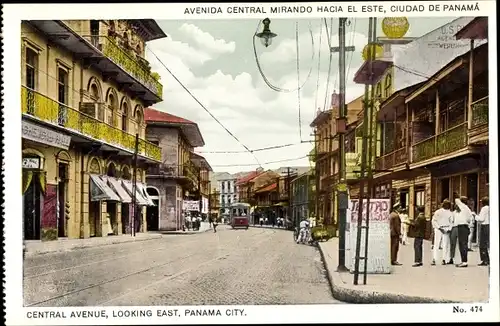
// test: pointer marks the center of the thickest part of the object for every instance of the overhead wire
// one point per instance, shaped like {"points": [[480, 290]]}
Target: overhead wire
{"points": [[319, 68], [202, 105], [329, 35], [261, 71], [352, 43], [298, 75], [265, 163]]}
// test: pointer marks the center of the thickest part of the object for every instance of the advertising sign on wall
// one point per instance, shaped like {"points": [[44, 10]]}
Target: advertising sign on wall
{"points": [[204, 205], [379, 261], [191, 205]]}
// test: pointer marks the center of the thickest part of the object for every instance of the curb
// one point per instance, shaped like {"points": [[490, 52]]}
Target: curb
{"points": [[37, 253], [270, 228], [370, 297], [184, 232]]}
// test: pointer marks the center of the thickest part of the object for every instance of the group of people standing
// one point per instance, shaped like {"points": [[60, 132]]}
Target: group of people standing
{"points": [[452, 223], [456, 226]]}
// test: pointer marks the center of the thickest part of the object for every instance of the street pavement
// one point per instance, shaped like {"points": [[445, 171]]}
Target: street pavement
{"points": [[407, 284], [244, 267]]}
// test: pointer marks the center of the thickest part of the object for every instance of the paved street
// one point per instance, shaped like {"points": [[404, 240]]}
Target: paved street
{"points": [[255, 266]]}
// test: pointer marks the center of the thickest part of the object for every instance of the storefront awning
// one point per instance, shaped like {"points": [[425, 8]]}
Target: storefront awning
{"points": [[99, 190], [142, 189], [141, 201], [116, 185]]}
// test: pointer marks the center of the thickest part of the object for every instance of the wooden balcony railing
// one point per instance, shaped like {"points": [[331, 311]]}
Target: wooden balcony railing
{"points": [[446, 142], [480, 112], [135, 66], [392, 159], [53, 112]]}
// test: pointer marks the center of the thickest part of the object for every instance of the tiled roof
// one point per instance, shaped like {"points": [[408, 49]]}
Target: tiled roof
{"points": [[248, 177], [268, 188], [151, 114]]}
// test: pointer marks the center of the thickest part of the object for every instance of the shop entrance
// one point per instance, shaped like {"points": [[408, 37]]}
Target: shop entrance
{"points": [[111, 206], [153, 212], [62, 188], [31, 205]]}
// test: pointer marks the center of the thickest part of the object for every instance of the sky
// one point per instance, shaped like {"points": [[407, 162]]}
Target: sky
{"points": [[216, 62]]}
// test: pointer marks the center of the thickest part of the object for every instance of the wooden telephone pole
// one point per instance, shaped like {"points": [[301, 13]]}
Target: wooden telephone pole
{"points": [[342, 196], [366, 161]]}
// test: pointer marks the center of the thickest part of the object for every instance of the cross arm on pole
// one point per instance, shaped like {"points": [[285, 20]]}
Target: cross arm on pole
{"points": [[350, 48]]}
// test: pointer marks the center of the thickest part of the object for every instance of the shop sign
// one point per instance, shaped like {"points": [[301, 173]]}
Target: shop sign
{"points": [[191, 205], [31, 163], [45, 136]]}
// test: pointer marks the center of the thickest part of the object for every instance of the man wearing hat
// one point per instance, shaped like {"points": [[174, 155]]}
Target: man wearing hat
{"points": [[463, 219], [395, 226]]}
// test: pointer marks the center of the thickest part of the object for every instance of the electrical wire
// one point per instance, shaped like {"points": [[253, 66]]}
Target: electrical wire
{"points": [[329, 63], [265, 163], [203, 106], [352, 43], [319, 69], [266, 80], [298, 75]]}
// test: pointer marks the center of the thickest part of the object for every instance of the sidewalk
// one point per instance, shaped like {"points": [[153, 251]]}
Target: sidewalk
{"points": [[63, 245], [38, 247], [204, 227], [407, 284]]}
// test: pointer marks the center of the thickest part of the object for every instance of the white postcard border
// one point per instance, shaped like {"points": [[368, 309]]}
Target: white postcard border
{"points": [[16, 313]]}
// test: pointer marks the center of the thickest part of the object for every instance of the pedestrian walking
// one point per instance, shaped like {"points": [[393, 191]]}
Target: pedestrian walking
{"points": [[266, 221], [472, 225], [261, 221], [454, 235], [442, 221], [395, 226], [484, 231], [405, 226], [214, 225], [419, 225], [463, 220]]}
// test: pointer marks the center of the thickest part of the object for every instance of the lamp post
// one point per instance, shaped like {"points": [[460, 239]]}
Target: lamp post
{"points": [[266, 36]]}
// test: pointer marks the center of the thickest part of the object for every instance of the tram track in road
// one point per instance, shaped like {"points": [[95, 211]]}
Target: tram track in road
{"points": [[83, 251], [99, 287], [112, 258]]}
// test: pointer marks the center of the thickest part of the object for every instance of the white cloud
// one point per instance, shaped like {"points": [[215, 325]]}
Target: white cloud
{"points": [[255, 114], [207, 41]]}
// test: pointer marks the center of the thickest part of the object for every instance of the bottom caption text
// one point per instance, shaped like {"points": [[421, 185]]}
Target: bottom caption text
{"points": [[134, 313]]}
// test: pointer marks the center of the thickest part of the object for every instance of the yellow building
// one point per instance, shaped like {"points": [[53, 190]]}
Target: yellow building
{"points": [[84, 87]]}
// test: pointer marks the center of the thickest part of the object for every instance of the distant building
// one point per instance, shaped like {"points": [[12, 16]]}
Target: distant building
{"points": [[177, 178]]}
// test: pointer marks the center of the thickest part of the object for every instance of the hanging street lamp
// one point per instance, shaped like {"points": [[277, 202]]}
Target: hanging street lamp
{"points": [[266, 36]]}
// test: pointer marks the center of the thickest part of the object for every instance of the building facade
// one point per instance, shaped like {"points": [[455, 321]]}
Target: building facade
{"points": [[204, 186], [85, 85], [176, 179], [228, 191], [433, 135], [303, 195]]}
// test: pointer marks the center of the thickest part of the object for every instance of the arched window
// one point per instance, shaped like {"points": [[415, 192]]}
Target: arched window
{"points": [[388, 85], [94, 92], [124, 110], [378, 90], [111, 170]]}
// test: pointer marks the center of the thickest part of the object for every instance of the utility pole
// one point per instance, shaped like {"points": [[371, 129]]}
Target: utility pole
{"points": [[342, 196], [200, 200], [288, 183], [316, 177], [368, 106], [134, 189]]}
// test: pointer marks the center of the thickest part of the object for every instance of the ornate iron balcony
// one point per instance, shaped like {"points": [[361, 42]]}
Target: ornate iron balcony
{"points": [[135, 66], [480, 112], [55, 113]]}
